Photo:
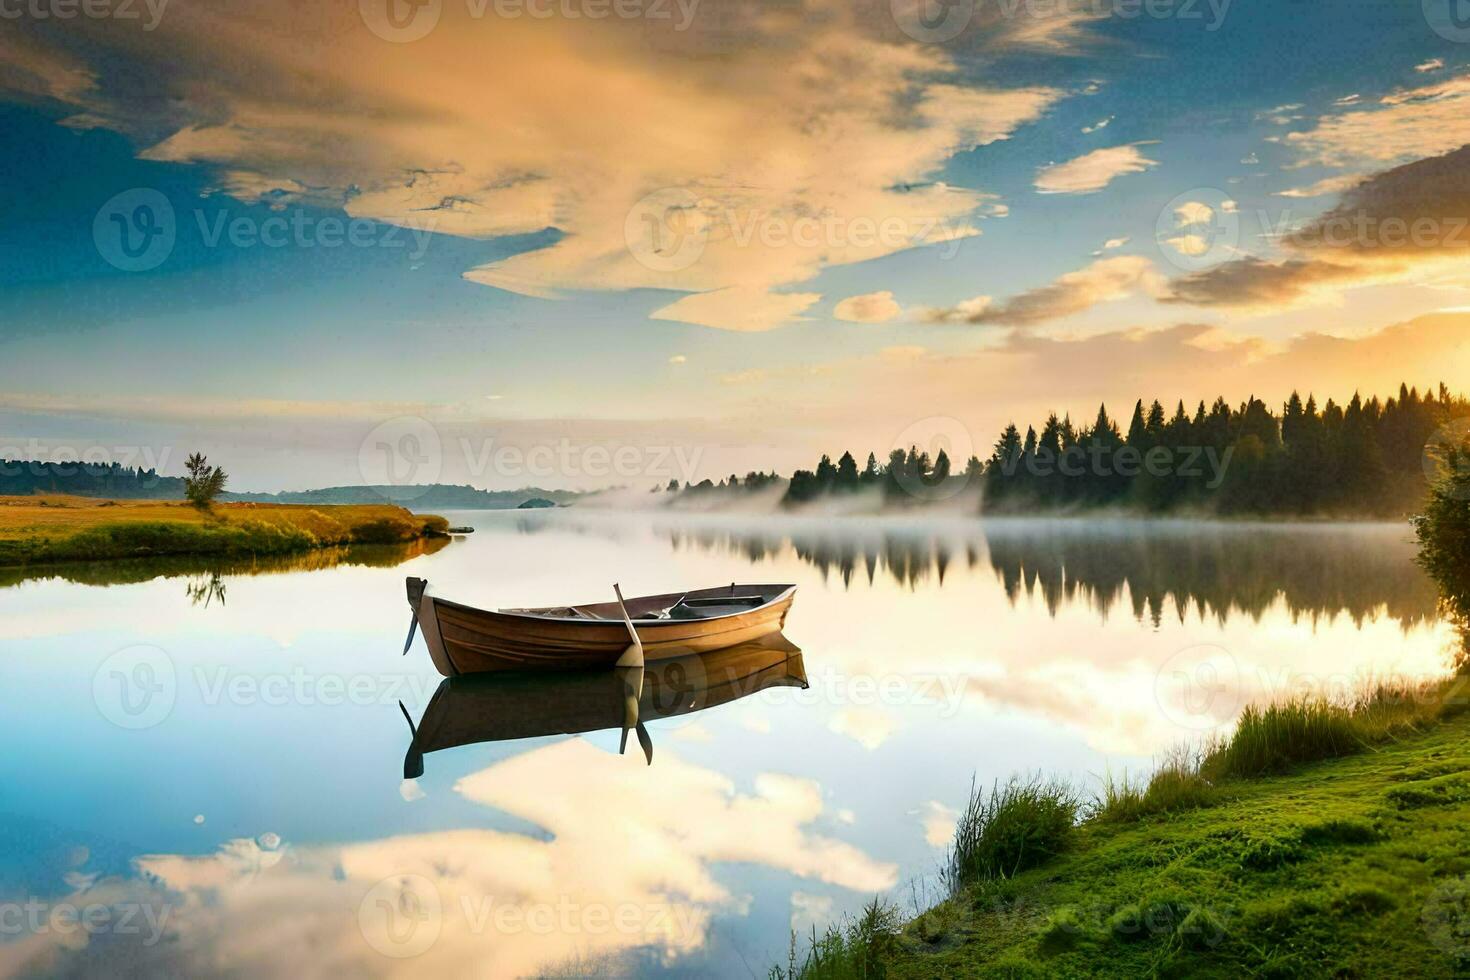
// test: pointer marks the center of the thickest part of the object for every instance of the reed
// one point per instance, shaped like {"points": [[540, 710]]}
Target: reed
{"points": [[855, 949], [1017, 825]]}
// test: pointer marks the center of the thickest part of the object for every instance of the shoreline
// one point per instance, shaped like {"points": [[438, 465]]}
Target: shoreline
{"points": [[57, 529], [1311, 835]]}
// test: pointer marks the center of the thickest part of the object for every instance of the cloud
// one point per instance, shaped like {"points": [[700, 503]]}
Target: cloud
{"points": [[1419, 122], [1102, 281], [1113, 243], [1092, 171], [648, 868], [1323, 187], [1255, 282], [939, 823], [876, 307], [40, 73], [1101, 124], [1412, 220], [1193, 213], [869, 727], [678, 359], [1433, 64], [700, 135], [741, 308]]}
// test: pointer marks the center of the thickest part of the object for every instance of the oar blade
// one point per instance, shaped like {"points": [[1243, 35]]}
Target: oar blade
{"points": [[412, 629]]}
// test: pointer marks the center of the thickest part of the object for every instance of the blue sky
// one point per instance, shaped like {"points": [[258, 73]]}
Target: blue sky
{"points": [[1082, 197]]}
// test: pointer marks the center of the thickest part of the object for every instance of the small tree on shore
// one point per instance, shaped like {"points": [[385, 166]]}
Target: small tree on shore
{"points": [[204, 482]]}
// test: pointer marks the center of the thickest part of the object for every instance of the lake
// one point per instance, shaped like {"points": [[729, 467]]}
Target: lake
{"points": [[204, 763]]}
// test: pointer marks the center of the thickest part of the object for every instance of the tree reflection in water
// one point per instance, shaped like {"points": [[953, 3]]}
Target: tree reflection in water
{"points": [[1218, 569]]}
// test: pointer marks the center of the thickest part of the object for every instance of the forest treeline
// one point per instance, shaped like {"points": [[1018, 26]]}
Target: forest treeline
{"points": [[26, 477], [1365, 458]]}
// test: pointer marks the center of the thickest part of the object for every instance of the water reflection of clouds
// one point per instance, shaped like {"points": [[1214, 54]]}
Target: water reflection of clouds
{"points": [[616, 866]]}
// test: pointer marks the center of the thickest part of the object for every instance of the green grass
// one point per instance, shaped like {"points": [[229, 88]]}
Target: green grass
{"points": [[857, 949], [76, 529], [1019, 824], [1320, 839]]}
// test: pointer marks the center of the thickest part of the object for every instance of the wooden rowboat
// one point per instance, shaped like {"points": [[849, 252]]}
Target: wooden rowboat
{"points": [[466, 640], [514, 705]]}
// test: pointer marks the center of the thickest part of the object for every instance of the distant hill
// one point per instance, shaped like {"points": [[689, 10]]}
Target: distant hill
{"points": [[535, 503], [26, 477], [433, 496]]}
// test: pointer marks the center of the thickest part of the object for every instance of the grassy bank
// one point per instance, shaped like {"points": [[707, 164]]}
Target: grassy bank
{"points": [[1318, 840], [65, 529]]}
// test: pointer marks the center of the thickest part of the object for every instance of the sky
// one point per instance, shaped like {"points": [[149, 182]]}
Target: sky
{"points": [[575, 243]]}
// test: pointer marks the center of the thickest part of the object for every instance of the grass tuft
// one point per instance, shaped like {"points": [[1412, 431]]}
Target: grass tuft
{"points": [[1272, 738], [852, 950], [1018, 825], [1176, 785]]}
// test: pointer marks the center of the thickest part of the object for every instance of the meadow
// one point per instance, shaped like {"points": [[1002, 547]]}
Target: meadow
{"points": [[54, 528]]}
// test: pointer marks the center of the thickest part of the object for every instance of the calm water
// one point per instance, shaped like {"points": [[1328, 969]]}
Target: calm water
{"points": [[208, 761]]}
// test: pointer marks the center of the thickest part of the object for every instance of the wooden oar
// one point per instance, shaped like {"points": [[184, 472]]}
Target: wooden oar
{"points": [[630, 665], [633, 655]]}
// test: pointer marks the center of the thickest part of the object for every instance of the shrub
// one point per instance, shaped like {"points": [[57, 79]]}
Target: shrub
{"points": [[1063, 930], [1017, 825], [854, 950], [1272, 738], [1176, 785], [1201, 930]]}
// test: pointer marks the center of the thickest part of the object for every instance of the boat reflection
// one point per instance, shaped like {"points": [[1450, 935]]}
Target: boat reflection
{"points": [[475, 708]]}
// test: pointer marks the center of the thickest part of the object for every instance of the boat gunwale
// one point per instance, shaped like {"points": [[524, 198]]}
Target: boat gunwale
{"points": [[787, 591]]}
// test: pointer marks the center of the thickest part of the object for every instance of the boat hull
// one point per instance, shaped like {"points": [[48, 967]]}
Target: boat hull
{"points": [[466, 640]]}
